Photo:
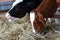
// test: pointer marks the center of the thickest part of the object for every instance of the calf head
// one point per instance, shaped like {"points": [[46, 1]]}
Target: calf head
{"points": [[17, 11], [37, 21]]}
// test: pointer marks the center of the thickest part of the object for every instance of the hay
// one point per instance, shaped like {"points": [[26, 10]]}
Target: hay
{"points": [[21, 30]]}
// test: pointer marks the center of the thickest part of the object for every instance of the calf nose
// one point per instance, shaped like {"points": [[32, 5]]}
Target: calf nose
{"points": [[9, 17]]}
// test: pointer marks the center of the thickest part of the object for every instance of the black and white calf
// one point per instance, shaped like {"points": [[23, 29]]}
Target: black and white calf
{"points": [[21, 7], [8, 16]]}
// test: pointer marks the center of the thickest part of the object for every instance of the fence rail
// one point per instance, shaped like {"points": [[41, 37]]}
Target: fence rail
{"points": [[6, 0], [5, 5]]}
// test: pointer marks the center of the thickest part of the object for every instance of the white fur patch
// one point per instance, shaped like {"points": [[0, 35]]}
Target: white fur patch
{"points": [[32, 17], [16, 2], [49, 20]]}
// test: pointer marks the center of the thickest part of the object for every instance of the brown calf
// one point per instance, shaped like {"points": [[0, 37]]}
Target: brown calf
{"points": [[46, 9]]}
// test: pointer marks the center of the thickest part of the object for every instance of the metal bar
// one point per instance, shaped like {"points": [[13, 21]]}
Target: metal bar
{"points": [[54, 16]]}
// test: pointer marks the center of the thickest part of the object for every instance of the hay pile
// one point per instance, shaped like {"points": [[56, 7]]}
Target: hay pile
{"points": [[21, 30]]}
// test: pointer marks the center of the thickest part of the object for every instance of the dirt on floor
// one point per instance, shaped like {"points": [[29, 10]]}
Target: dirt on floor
{"points": [[21, 29]]}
